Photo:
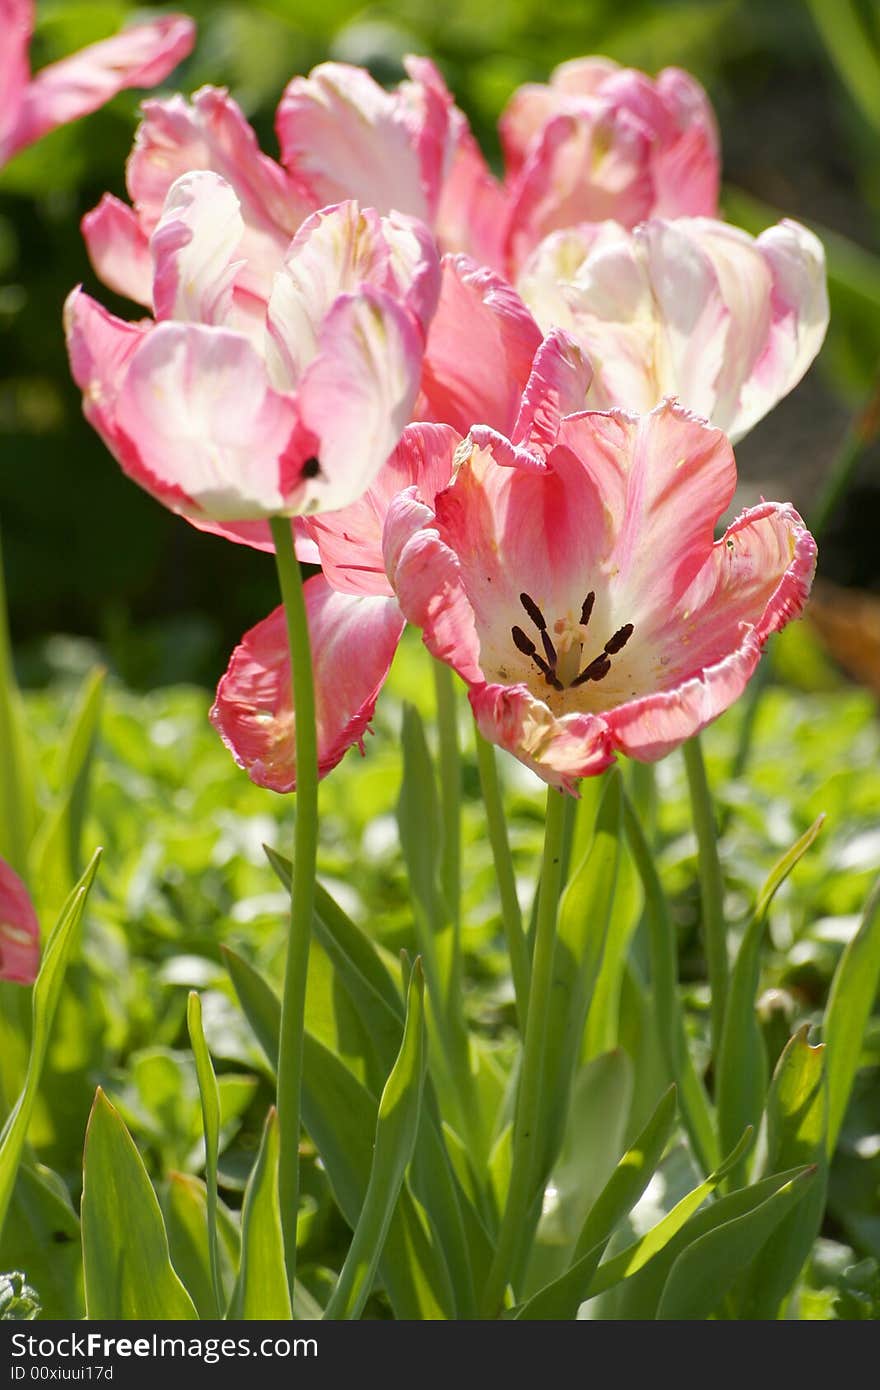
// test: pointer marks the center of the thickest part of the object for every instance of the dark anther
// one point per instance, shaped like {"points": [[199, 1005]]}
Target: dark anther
{"points": [[533, 611], [596, 671], [587, 608], [619, 640], [549, 648], [528, 648], [311, 468]]}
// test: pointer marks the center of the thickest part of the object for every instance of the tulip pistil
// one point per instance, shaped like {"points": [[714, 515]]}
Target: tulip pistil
{"points": [[596, 670]]}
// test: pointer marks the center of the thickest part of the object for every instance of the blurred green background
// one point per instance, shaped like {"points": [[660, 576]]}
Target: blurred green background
{"points": [[796, 85]]}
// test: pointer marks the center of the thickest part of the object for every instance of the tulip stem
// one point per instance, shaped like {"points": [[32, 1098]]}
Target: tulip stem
{"points": [[302, 897], [711, 885], [511, 915], [524, 1176], [450, 795]]}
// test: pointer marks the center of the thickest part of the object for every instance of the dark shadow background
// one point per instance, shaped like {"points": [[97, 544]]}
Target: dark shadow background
{"points": [[87, 553]]}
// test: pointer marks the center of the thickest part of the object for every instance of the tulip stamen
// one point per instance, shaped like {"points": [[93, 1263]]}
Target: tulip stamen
{"points": [[587, 608], [600, 665], [525, 644]]}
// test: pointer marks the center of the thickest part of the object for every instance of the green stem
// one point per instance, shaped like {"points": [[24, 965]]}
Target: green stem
{"points": [[524, 1176], [290, 1056], [450, 794], [696, 1109], [711, 885], [511, 916]]}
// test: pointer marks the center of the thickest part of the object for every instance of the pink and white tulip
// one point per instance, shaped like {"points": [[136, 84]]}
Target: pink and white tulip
{"points": [[231, 407], [19, 930], [581, 596], [692, 308], [603, 142], [355, 622], [31, 106]]}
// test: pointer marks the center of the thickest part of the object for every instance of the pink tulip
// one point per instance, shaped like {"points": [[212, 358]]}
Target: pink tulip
{"points": [[32, 106], [578, 591], [520, 386], [232, 406], [19, 930], [692, 308], [600, 141]]}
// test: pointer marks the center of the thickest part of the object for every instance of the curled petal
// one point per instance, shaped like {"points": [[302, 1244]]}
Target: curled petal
{"points": [[357, 394], [119, 249], [194, 247], [480, 349], [344, 136], [19, 930], [560, 751], [201, 427], [100, 347], [138, 57], [210, 132], [353, 642], [349, 541], [426, 576]]}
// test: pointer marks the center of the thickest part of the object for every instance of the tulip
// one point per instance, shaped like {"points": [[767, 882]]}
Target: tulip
{"points": [[19, 930], [600, 141], [32, 106], [355, 622], [231, 408], [692, 308], [578, 592]]}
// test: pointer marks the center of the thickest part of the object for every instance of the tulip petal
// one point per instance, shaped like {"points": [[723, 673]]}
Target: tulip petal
{"points": [[16, 25], [535, 103], [100, 347], [560, 751], [480, 350], [349, 541], [194, 247], [210, 132], [203, 429], [343, 136], [353, 643], [356, 396], [19, 930], [119, 249], [138, 57]]}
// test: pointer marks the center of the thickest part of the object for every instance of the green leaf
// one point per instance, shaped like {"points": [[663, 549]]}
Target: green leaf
{"points": [[46, 993], [42, 1236], [128, 1270], [706, 1270], [603, 1020], [851, 999], [585, 911], [185, 1207], [742, 1061], [563, 1296], [340, 1116], [261, 1288], [56, 851], [396, 1130], [210, 1099], [797, 1122]]}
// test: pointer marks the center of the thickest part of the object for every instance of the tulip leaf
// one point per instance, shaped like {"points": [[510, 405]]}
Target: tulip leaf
{"points": [[56, 850], [128, 1270], [210, 1101], [44, 1003], [708, 1267], [42, 1236], [585, 911], [340, 1116], [797, 1123], [563, 1296], [742, 1061], [261, 1290], [185, 1208], [853, 991], [396, 1129]]}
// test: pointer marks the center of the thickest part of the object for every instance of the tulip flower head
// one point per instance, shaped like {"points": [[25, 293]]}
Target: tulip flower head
{"points": [[248, 398], [692, 308], [580, 595], [19, 930], [31, 106]]}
